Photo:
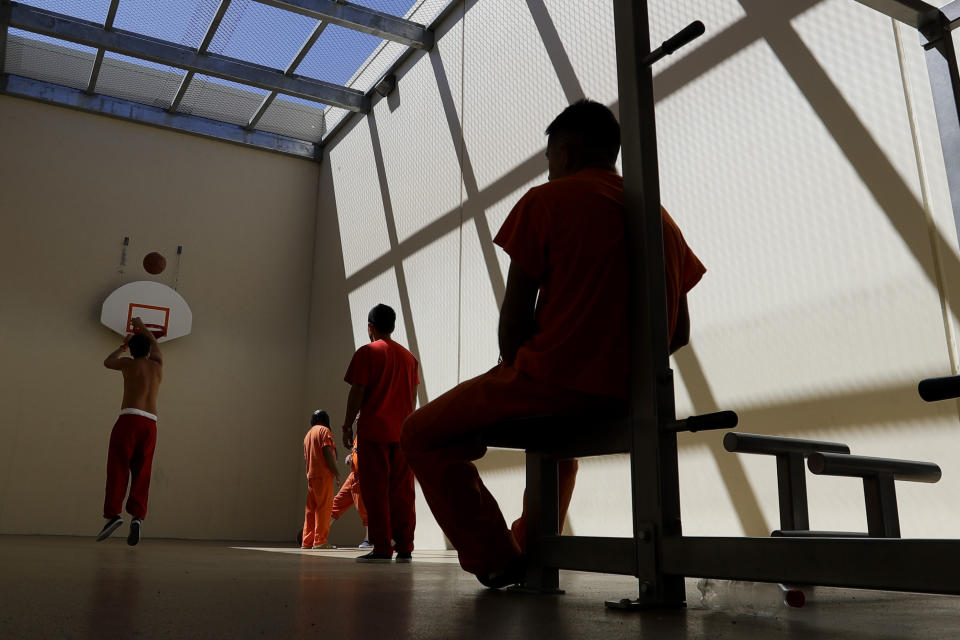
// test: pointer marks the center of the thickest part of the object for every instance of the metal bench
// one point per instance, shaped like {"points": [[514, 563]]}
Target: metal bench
{"points": [[832, 459], [548, 439]]}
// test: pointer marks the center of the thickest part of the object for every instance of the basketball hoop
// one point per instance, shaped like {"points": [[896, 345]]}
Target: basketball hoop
{"points": [[155, 319]]}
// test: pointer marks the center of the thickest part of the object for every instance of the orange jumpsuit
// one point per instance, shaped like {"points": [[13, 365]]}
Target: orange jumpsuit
{"points": [[568, 235], [349, 494], [389, 375], [316, 519]]}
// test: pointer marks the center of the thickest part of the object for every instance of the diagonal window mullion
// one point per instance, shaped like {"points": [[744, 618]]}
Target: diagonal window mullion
{"points": [[207, 39], [108, 25], [297, 59]]}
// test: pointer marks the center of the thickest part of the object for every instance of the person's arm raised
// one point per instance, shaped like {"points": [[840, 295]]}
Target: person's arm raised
{"points": [[517, 313], [114, 361], [155, 354]]}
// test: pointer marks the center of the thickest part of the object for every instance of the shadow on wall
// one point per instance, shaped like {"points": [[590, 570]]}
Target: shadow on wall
{"points": [[330, 347], [769, 22]]}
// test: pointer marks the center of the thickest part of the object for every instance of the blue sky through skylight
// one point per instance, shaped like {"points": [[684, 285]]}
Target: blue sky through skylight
{"points": [[249, 31], [182, 21], [256, 33], [94, 10], [337, 54]]}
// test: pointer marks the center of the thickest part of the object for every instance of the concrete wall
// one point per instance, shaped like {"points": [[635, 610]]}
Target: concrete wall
{"points": [[232, 409], [788, 158]]}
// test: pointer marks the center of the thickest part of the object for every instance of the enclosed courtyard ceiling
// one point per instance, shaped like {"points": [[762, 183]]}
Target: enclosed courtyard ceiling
{"points": [[274, 74]]}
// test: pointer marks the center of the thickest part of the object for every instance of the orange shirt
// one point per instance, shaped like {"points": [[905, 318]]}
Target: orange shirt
{"points": [[316, 439], [389, 373], [568, 235]]}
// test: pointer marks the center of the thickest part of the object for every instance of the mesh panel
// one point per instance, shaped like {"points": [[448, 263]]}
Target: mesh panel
{"points": [[426, 11], [393, 7], [95, 10], [182, 21], [299, 119], [48, 59], [377, 65], [260, 34], [337, 55], [138, 80], [333, 116], [221, 100]]}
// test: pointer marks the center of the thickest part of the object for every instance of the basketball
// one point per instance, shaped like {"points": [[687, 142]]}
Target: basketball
{"points": [[154, 263]]}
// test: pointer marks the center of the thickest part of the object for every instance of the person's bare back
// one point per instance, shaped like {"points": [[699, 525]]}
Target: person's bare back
{"points": [[141, 384], [141, 375]]}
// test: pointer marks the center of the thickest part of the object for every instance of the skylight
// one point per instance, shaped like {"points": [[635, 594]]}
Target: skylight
{"points": [[261, 68]]}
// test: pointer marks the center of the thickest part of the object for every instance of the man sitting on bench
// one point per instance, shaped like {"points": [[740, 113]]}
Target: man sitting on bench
{"points": [[563, 335]]}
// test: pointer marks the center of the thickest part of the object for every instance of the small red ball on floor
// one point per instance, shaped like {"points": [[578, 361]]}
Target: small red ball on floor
{"points": [[154, 263]]}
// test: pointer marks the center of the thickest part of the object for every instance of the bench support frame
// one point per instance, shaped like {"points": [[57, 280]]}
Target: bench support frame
{"points": [[659, 555]]}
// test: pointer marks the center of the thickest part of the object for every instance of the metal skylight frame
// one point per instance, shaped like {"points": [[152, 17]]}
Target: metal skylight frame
{"points": [[108, 25], [103, 37]]}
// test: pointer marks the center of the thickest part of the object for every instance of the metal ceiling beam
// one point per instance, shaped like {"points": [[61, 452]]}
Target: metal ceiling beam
{"points": [[108, 25], [297, 59], [160, 51], [207, 39], [134, 111], [352, 16], [951, 13], [915, 13], [438, 20]]}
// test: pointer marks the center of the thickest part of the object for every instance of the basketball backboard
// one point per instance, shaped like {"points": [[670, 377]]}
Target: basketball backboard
{"points": [[164, 311]]}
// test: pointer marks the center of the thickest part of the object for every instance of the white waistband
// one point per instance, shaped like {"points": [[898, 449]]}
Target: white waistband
{"points": [[138, 412]]}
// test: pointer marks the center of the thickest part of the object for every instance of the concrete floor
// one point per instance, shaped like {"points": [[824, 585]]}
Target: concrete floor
{"points": [[62, 587]]}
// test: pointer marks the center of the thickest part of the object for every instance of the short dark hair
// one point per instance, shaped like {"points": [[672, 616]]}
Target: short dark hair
{"points": [[383, 318], [320, 417], [591, 129], [139, 345]]}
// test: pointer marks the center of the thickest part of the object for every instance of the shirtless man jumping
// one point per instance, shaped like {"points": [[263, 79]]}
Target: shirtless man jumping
{"points": [[134, 435]]}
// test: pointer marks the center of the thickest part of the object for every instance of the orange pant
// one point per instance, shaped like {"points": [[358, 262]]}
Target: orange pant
{"points": [[349, 495], [316, 519], [386, 482], [433, 441]]}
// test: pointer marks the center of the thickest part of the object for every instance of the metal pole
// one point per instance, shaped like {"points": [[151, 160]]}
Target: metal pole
{"points": [[653, 457], [945, 85]]}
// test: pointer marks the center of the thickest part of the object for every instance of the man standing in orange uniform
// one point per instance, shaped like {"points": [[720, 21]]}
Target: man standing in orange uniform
{"points": [[319, 452], [563, 335], [349, 495], [383, 380]]}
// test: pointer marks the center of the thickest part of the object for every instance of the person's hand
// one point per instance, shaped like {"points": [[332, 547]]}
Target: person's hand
{"points": [[346, 460], [138, 324], [348, 435]]}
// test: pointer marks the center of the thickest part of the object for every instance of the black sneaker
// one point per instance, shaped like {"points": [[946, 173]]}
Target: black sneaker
{"points": [[404, 556], [112, 525], [373, 557], [514, 573], [134, 536]]}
